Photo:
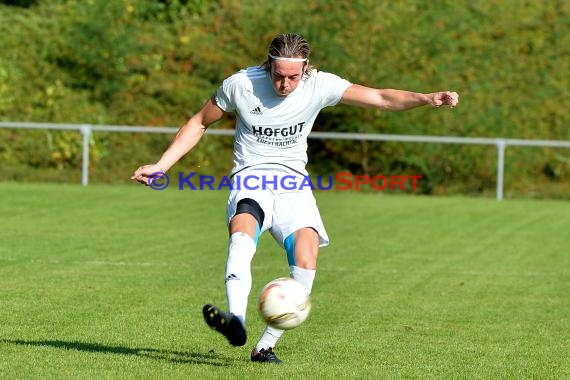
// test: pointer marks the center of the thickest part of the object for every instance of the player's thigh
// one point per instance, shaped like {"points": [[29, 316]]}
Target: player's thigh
{"points": [[294, 211], [263, 198]]}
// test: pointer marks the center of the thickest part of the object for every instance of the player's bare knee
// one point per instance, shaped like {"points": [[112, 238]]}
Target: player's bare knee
{"points": [[306, 261], [306, 248]]}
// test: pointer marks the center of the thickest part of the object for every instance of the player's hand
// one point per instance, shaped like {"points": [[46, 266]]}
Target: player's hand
{"points": [[143, 173], [446, 98]]}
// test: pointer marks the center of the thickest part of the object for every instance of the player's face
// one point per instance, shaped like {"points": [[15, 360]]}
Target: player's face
{"points": [[286, 75]]}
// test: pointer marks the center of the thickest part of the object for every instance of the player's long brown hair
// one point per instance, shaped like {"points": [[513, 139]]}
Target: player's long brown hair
{"points": [[289, 45]]}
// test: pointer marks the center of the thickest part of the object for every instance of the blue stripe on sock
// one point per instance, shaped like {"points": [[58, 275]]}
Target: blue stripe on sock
{"points": [[257, 233], [289, 245]]}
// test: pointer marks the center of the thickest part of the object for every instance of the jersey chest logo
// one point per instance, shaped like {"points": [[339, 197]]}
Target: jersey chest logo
{"points": [[278, 132]]}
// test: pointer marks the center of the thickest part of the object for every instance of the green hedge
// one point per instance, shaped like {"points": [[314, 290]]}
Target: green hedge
{"points": [[146, 62]]}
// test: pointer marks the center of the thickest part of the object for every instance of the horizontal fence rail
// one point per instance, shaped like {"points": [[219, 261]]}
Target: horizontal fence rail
{"points": [[501, 143]]}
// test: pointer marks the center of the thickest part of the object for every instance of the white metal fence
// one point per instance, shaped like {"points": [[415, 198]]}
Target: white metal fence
{"points": [[501, 143]]}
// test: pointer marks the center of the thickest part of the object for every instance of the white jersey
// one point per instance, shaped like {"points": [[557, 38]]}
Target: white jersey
{"points": [[272, 131]]}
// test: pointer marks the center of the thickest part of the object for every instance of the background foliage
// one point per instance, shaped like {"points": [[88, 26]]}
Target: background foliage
{"points": [[155, 62]]}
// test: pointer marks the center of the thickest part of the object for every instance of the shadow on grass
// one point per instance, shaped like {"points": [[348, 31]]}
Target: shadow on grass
{"points": [[150, 353]]}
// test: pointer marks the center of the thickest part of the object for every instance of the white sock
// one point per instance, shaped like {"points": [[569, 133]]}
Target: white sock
{"points": [[304, 276], [271, 335], [269, 338], [238, 273]]}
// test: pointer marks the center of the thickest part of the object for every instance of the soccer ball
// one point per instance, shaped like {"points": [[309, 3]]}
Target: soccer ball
{"points": [[284, 303]]}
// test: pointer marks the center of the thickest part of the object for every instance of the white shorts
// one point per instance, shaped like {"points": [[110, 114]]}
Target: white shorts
{"points": [[286, 210]]}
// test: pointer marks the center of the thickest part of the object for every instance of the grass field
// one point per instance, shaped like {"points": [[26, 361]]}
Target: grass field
{"points": [[109, 281]]}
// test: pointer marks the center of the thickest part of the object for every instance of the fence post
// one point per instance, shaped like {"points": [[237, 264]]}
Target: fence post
{"points": [[86, 133], [500, 167]]}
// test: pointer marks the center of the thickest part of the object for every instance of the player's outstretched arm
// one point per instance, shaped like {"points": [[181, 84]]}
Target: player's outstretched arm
{"points": [[186, 138], [396, 100]]}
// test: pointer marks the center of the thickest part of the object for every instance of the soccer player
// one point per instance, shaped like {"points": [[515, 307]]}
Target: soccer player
{"points": [[275, 105]]}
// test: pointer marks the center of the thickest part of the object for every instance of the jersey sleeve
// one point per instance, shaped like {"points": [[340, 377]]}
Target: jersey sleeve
{"points": [[331, 88], [225, 95]]}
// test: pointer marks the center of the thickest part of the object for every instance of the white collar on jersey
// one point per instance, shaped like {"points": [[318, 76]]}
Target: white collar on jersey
{"points": [[288, 59]]}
